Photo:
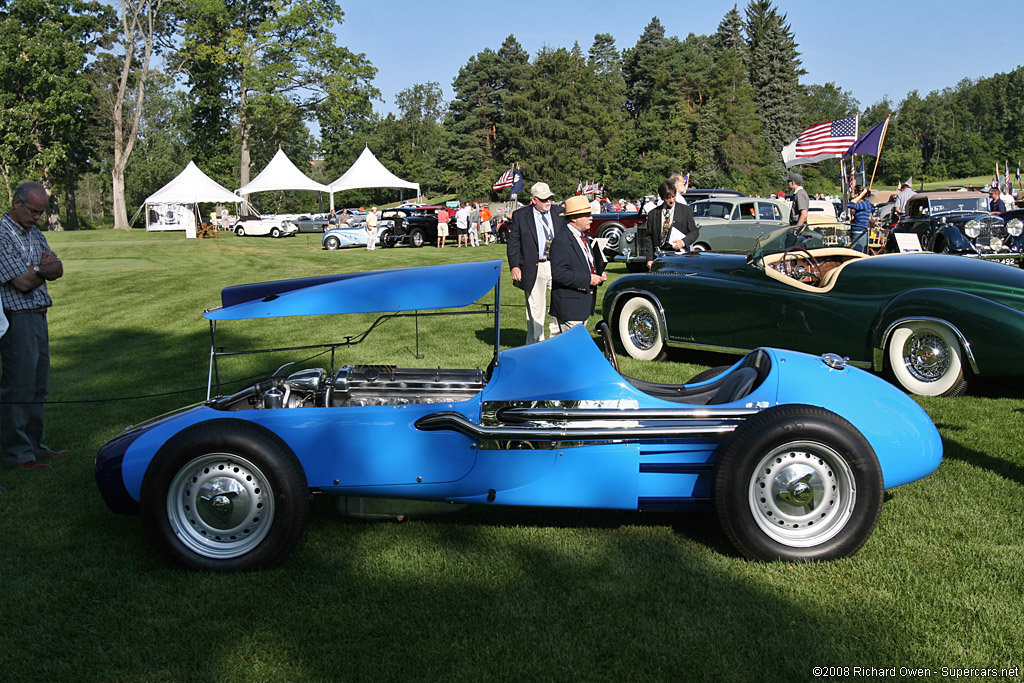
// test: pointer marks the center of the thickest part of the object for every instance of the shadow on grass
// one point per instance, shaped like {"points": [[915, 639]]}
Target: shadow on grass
{"points": [[957, 451]]}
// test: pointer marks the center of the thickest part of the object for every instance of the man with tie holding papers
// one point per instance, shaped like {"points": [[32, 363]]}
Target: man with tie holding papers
{"points": [[670, 226]]}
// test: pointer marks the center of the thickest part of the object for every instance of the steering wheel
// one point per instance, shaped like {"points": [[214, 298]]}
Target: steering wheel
{"points": [[810, 275], [609, 348]]}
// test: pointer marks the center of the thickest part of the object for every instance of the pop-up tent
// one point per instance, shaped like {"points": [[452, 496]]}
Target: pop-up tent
{"points": [[281, 174], [174, 206], [367, 171]]}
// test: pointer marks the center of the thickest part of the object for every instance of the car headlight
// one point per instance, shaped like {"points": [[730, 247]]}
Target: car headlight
{"points": [[1015, 227], [995, 244], [630, 236], [973, 229]]}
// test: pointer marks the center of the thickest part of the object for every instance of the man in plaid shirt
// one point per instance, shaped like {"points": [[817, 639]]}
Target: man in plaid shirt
{"points": [[26, 265]]}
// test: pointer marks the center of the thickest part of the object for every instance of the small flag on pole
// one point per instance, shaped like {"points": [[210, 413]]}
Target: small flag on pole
{"points": [[828, 140], [506, 179]]}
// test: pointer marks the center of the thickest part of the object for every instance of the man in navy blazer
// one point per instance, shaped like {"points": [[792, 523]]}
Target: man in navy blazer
{"points": [[577, 268], [670, 226], [531, 231]]}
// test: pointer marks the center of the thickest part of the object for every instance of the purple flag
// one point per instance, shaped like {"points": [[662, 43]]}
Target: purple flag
{"points": [[870, 143]]}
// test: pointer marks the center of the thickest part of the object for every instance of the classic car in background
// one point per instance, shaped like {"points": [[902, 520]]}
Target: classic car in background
{"points": [[960, 223], [613, 225], [319, 222], [275, 226], [727, 224], [928, 319], [345, 236], [792, 451]]}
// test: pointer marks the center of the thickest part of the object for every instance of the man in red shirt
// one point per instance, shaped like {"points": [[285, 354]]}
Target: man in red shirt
{"points": [[442, 226]]}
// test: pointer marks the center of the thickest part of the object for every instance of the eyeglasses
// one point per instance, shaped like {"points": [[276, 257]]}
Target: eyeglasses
{"points": [[543, 201], [32, 212]]}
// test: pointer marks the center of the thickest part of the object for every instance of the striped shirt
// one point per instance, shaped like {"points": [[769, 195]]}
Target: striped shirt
{"points": [[20, 248]]}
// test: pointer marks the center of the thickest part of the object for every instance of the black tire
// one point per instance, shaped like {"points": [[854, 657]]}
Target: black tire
{"points": [[240, 231], [332, 243], [797, 483], [708, 374], [275, 232], [256, 528], [503, 234], [417, 238], [701, 246], [386, 241]]}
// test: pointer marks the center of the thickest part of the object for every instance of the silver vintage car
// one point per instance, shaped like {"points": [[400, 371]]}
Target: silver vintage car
{"points": [[727, 224]]}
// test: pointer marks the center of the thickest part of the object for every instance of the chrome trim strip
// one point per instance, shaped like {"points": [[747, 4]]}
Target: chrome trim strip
{"points": [[509, 414], [879, 351], [459, 423]]}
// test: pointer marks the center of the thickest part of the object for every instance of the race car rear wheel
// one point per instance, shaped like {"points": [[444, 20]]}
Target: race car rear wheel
{"points": [[225, 496], [797, 483], [332, 243], [639, 330], [924, 357]]}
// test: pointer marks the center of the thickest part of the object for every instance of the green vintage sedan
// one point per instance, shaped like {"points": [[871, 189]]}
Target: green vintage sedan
{"points": [[929, 320]]}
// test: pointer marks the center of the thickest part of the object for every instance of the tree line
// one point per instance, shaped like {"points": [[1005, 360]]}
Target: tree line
{"points": [[106, 104]]}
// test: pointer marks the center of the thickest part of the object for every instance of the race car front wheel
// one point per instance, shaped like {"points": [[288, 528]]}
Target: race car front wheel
{"points": [[796, 483], [225, 496]]}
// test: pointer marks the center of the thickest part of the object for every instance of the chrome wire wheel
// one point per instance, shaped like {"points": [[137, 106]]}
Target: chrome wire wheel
{"points": [[802, 494], [925, 359], [220, 506], [639, 330]]}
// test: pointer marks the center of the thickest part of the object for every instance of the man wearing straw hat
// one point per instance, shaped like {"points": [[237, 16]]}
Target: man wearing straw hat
{"points": [[576, 268]]}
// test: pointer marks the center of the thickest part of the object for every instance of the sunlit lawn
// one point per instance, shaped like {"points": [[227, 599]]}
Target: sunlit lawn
{"points": [[484, 594]]}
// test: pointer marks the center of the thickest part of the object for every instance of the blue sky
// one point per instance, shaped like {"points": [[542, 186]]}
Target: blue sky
{"points": [[870, 48]]}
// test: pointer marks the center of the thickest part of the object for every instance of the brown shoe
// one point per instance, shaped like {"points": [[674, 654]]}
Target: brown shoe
{"points": [[55, 454], [32, 465]]}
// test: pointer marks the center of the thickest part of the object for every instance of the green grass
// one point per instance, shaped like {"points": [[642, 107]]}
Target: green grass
{"points": [[485, 594]]}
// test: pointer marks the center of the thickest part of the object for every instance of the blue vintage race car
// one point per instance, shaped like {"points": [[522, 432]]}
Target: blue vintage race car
{"points": [[793, 451]]}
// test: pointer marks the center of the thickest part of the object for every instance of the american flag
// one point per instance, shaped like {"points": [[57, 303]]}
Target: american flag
{"points": [[823, 141], [506, 179]]}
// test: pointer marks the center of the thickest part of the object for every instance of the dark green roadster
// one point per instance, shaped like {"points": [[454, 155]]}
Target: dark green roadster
{"points": [[928, 319]]}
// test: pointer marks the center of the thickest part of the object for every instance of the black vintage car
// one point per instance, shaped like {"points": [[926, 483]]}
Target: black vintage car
{"points": [[960, 223], [407, 226]]}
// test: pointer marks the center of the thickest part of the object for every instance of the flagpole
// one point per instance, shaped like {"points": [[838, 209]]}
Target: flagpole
{"points": [[879, 155]]}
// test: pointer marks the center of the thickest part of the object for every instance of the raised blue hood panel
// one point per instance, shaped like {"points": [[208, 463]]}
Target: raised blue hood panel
{"points": [[376, 291]]}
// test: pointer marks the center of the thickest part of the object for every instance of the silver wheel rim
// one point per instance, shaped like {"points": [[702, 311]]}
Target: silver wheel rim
{"points": [[926, 355], [614, 236], [643, 328], [417, 239], [220, 506], [802, 493], [332, 243]]}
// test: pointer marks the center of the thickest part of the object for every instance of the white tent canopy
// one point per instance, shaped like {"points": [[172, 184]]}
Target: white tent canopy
{"points": [[192, 186], [367, 171], [282, 174], [174, 206]]}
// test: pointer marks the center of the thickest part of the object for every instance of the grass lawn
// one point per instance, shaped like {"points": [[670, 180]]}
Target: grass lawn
{"points": [[485, 594]]}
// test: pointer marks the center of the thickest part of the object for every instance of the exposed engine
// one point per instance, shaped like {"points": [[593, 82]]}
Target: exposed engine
{"points": [[358, 385]]}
